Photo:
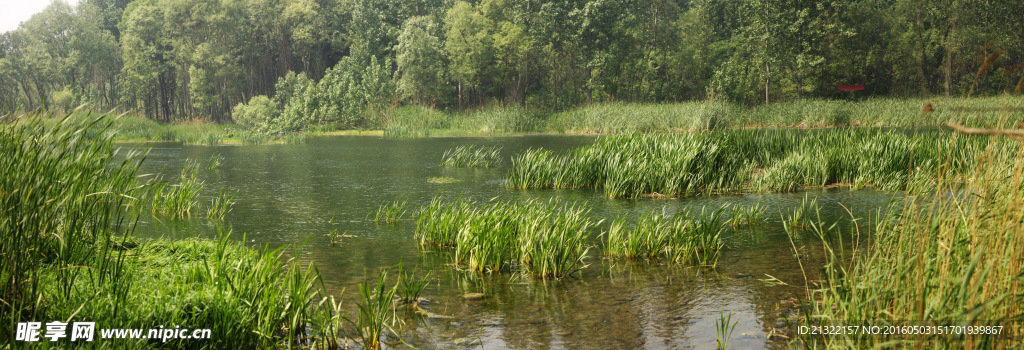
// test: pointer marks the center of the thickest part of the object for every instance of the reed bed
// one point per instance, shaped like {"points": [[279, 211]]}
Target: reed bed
{"points": [[66, 252], [952, 258], [391, 212], [749, 215], [744, 161], [180, 198], [547, 239], [680, 238], [221, 205], [472, 157]]}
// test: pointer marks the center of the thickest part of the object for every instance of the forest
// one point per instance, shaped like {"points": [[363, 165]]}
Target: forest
{"points": [[338, 62]]}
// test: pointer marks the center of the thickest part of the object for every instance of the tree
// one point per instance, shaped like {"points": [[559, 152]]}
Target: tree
{"points": [[468, 43], [420, 62]]}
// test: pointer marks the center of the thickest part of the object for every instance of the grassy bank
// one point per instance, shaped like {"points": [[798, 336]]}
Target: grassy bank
{"points": [[954, 258], [607, 118], [67, 210], [746, 160]]}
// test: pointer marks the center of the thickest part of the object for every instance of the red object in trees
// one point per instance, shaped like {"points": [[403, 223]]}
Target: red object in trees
{"points": [[850, 87]]}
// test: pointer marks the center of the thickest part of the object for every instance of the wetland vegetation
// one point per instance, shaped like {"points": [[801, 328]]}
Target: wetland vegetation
{"points": [[527, 174]]}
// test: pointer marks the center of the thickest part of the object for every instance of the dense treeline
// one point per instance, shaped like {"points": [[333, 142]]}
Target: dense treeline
{"points": [[339, 61]]}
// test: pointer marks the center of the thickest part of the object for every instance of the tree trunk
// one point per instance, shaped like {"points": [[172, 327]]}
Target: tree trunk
{"points": [[920, 52]]}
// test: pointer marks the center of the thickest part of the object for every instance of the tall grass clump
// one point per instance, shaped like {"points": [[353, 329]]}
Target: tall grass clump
{"points": [[375, 311], [69, 202], [546, 239], [472, 157], [390, 212], [952, 258], [65, 201], [744, 160], [686, 237], [180, 198], [221, 205], [746, 215]]}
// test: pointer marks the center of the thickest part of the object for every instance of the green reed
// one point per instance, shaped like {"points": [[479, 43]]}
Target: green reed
{"points": [[805, 215], [180, 198], [472, 157], [221, 205], [391, 212], [746, 215], [215, 161], [952, 258], [410, 287], [686, 237], [547, 239], [375, 311], [744, 161], [724, 326]]}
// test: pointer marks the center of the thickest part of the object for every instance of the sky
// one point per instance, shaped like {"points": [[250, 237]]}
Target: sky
{"points": [[13, 12]]}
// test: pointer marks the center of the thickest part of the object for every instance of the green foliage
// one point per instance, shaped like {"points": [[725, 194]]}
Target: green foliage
{"points": [[472, 156], [259, 114], [679, 238], [547, 239], [737, 161], [390, 212], [420, 61]]}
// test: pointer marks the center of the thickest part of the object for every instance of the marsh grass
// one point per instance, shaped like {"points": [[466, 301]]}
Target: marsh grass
{"points": [[375, 310], [686, 237], [724, 326], [221, 204], [746, 215], [391, 212], [180, 198], [442, 180], [410, 287], [472, 157], [215, 161], [70, 199], [548, 240], [953, 257], [743, 161], [805, 215]]}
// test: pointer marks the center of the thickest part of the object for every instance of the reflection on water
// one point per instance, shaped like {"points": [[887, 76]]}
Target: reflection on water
{"points": [[288, 194]]}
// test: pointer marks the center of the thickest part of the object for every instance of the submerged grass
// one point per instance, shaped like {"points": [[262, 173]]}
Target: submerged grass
{"points": [[180, 198], [743, 161], [390, 212], [221, 205], [546, 239], [472, 157]]}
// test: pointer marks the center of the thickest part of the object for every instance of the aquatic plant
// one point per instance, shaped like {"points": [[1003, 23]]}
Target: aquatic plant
{"points": [[546, 239], [221, 205], [390, 212], [745, 160], [746, 215], [215, 161], [442, 180], [472, 156], [805, 215], [375, 312], [685, 237], [954, 258], [410, 287], [723, 328], [178, 199]]}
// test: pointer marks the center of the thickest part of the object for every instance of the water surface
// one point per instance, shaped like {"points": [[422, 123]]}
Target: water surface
{"points": [[295, 194]]}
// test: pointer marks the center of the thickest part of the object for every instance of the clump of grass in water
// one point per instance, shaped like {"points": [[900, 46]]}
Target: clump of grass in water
{"points": [[390, 212], [678, 239], [410, 287], [547, 239], [221, 205], [745, 160], [747, 215], [215, 161], [472, 156], [724, 327], [375, 312], [178, 199], [806, 215]]}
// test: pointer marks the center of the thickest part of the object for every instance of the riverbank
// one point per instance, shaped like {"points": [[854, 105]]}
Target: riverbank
{"points": [[606, 118]]}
